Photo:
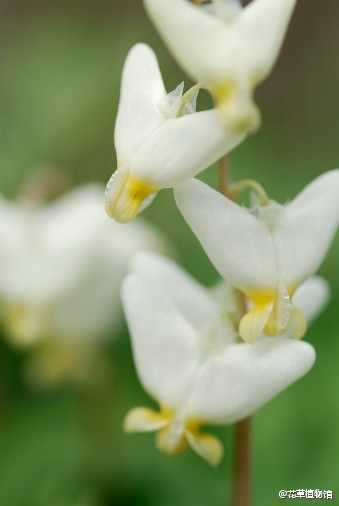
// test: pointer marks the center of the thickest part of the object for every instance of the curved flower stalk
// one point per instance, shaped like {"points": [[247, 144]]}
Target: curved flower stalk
{"points": [[61, 266], [268, 252], [160, 140], [188, 360], [227, 48]]}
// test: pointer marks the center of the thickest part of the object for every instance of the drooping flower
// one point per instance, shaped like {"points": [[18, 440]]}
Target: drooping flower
{"points": [[217, 301], [189, 361], [61, 266], [268, 252], [160, 141], [227, 48]]}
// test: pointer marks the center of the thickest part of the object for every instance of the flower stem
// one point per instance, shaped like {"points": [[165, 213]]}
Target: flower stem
{"points": [[188, 96], [241, 472], [223, 176], [249, 184], [224, 180]]}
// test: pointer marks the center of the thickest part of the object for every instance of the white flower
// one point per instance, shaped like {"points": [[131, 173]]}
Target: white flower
{"points": [[266, 253], [61, 266], [228, 49], [155, 148], [188, 360]]}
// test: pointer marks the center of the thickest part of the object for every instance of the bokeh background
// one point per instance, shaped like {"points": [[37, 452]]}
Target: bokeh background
{"points": [[60, 75]]}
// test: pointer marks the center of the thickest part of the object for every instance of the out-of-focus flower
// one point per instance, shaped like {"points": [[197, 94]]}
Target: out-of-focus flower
{"points": [[227, 49], [55, 362], [160, 140], [189, 361], [268, 252], [61, 266]]}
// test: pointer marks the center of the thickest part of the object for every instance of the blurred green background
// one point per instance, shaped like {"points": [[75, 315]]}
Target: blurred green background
{"points": [[60, 75]]}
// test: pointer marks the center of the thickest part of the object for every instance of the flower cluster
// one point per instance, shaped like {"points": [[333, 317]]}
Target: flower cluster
{"points": [[61, 268], [197, 354], [189, 360]]}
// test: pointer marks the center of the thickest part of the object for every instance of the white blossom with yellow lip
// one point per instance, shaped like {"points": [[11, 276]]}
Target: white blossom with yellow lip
{"points": [[61, 266], [227, 48], [188, 360], [267, 253], [155, 147]]}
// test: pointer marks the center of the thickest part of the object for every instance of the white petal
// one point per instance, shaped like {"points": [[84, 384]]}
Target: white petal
{"points": [[48, 249], [92, 309], [202, 44], [307, 227], [224, 296], [238, 245], [170, 104], [211, 49], [227, 9], [236, 383], [193, 300], [141, 89], [191, 106], [164, 344], [181, 148], [115, 188], [262, 26], [312, 296]]}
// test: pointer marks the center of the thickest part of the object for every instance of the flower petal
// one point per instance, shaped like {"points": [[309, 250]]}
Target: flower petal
{"points": [[210, 48], [253, 323], [91, 310], [262, 26], [170, 104], [144, 420], [200, 43], [47, 250], [193, 300], [141, 89], [206, 446], [126, 196], [165, 346], [239, 245], [181, 148], [306, 228], [227, 9], [237, 382], [297, 324], [312, 296]]}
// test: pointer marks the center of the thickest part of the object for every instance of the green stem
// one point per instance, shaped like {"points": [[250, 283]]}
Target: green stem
{"points": [[241, 474], [249, 184], [241, 470], [188, 96]]}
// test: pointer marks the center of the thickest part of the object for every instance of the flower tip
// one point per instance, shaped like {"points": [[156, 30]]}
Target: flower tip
{"points": [[143, 420], [253, 323], [297, 324], [206, 446], [109, 210], [126, 196], [128, 424], [237, 121], [246, 338], [122, 214]]}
